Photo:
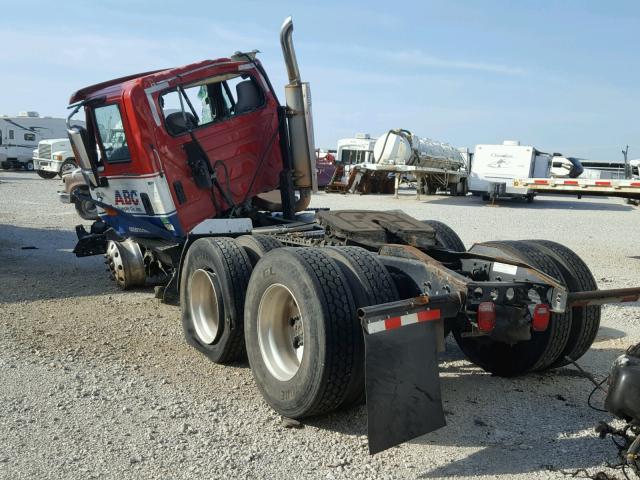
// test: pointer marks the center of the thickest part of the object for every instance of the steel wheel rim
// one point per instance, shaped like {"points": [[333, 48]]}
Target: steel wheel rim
{"points": [[280, 332], [115, 262], [88, 206], [69, 167], [203, 303]]}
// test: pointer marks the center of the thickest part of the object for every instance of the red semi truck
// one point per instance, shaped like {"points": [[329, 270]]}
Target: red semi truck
{"points": [[202, 181]]}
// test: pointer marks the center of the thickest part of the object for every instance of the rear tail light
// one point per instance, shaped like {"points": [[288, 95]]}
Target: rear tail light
{"points": [[541, 316], [486, 317]]}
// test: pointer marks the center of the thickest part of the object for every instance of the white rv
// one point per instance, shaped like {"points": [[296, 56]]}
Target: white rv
{"points": [[496, 166], [19, 136], [352, 151]]}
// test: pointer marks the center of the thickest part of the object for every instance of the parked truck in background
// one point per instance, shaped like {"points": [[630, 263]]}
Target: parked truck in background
{"points": [[20, 134], [76, 191], [54, 157], [355, 150], [205, 189]]}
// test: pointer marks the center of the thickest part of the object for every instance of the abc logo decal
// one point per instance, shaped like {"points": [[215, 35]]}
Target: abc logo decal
{"points": [[127, 197]]}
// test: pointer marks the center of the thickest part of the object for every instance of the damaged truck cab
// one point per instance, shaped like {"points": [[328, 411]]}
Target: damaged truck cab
{"points": [[155, 131], [202, 181]]}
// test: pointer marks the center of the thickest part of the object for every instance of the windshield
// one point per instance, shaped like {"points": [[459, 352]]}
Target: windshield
{"points": [[113, 141], [350, 157]]}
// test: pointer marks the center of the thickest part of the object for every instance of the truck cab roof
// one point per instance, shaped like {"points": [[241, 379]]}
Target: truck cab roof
{"points": [[151, 77]]}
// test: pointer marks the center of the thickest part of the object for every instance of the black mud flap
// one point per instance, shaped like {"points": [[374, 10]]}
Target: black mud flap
{"points": [[402, 384]]}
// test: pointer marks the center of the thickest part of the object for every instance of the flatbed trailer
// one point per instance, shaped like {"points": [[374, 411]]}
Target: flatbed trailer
{"points": [[582, 186], [332, 308]]}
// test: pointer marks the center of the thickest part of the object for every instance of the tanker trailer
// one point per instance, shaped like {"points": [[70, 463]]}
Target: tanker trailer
{"points": [[435, 165]]}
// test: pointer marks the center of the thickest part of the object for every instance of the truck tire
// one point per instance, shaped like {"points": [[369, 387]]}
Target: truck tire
{"points": [[446, 237], [542, 350], [28, 166], [86, 209], [255, 246], [585, 321], [299, 331], [46, 175], [371, 284], [68, 166], [213, 283]]}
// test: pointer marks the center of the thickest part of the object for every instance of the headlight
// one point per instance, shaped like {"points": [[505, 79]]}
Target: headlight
{"points": [[58, 157]]}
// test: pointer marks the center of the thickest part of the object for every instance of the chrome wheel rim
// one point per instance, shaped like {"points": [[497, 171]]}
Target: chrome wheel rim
{"points": [[204, 307], [280, 332]]}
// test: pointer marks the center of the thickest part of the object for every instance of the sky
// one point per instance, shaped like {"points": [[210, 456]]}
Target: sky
{"points": [[559, 75]]}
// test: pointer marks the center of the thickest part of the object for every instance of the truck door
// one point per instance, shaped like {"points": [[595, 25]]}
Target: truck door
{"points": [[236, 127]]}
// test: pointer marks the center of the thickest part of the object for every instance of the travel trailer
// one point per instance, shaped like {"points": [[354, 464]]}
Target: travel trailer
{"points": [[494, 167], [20, 135]]}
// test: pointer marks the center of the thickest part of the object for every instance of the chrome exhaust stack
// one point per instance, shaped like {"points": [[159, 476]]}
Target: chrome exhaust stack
{"points": [[300, 120]]}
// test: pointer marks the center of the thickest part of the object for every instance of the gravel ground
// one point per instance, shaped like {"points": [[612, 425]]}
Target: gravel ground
{"points": [[97, 383]]}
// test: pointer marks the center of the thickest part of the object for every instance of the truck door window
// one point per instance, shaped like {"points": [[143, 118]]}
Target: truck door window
{"points": [[197, 104], [211, 100], [242, 94], [112, 139]]}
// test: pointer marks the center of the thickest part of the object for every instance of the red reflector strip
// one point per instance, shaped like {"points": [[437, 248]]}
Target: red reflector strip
{"points": [[603, 184], [635, 184], [541, 182], [427, 315], [571, 182], [396, 322], [393, 322]]}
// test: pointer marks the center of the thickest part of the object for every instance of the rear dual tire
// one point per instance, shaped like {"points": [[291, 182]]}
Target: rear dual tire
{"points": [[317, 318], [323, 287], [585, 321], [370, 284], [568, 334]]}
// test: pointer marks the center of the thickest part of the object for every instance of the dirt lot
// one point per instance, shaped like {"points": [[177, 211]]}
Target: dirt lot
{"points": [[98, 383]]}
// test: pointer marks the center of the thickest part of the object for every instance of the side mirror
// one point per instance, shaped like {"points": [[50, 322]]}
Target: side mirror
{"points": [[78, 137]]}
